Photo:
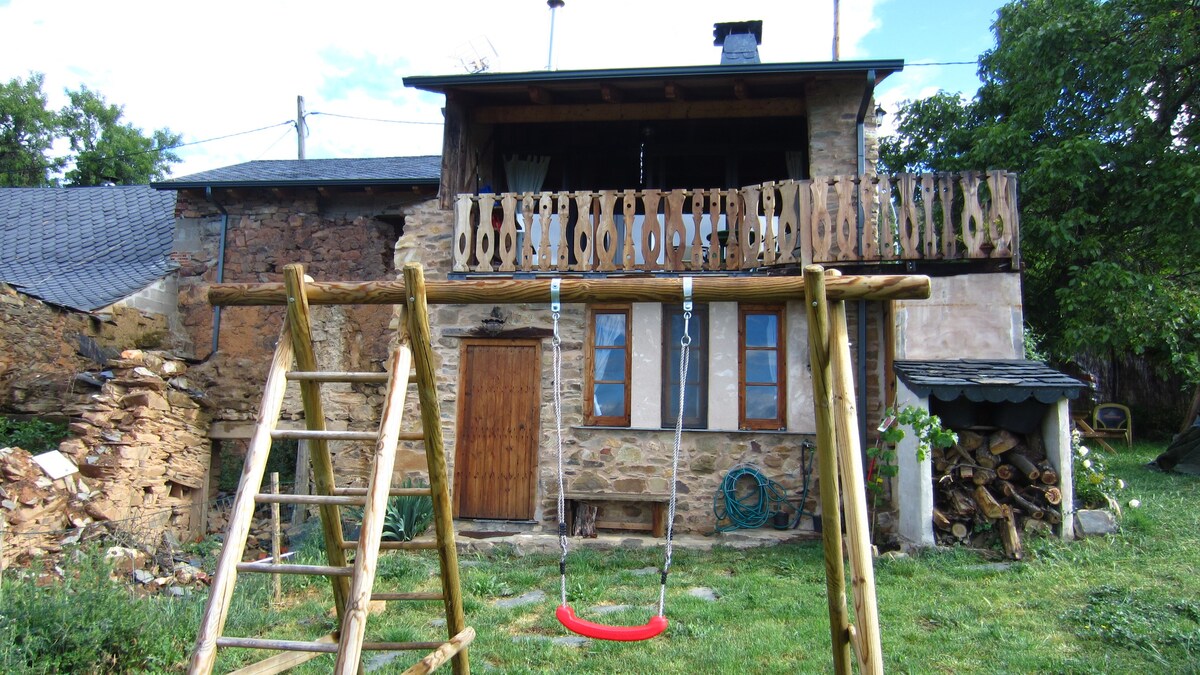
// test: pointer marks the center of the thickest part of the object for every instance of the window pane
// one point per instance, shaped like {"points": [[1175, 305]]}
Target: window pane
{"points": [[761, 330], [761, 403], [610, 330], [610, 365], [609, 400], [761, 366]]}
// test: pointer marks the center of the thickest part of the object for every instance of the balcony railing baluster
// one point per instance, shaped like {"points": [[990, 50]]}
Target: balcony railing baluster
{"points": [[968, 215]]}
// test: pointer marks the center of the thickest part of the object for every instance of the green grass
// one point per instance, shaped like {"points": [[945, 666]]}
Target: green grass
{"points": [[1126, 603]]}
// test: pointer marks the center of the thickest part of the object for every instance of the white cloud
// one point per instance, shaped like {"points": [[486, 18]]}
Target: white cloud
{"points": [[207, 69]]}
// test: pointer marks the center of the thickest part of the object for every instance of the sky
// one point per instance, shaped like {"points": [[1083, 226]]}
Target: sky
{"points": [[219, 68]]}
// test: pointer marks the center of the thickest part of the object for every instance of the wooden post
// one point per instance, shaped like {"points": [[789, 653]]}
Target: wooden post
{"points": [[866, 612], [435, 455], [300, 511], [300, 327], [240, 515], [276, 543], [831, 522], [3, 534]]}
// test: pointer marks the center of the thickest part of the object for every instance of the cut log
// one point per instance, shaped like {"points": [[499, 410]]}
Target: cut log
{"points": [[1053, 516], [1009, 535], [940, 521], [959, 530], [1006, 471], [969, 441], [961, 503], [1030, 508], [1048, 475], [987, 503], [985, 459], [966, 473], [984, 477], [1002, 441], [1051, 494], [1024, 465]]}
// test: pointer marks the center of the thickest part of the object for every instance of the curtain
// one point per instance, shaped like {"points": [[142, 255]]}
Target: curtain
{"points": [[795, 164], [609, 329], [526, 174]]}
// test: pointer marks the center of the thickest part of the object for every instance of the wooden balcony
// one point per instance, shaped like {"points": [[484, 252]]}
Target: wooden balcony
{"points": [[906, 217]]}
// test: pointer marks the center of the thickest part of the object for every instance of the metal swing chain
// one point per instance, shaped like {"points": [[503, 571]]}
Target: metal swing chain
{"points": [[685, 342], [556, 341]]}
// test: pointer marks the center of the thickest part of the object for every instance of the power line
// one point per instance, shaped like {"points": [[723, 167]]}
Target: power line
{"points": [[374, 119], [206, 140]]}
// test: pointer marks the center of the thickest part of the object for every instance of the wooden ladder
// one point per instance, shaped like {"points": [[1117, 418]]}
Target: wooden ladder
{"points": [[352, 583]]}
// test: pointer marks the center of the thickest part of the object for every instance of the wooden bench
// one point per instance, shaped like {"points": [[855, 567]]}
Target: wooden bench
{"points": [[658, 509]]}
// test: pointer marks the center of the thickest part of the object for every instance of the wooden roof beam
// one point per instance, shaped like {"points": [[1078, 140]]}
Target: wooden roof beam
{"points": [[540, 95], [740, 91], [610, 94], [674, 92], [636, 112]]}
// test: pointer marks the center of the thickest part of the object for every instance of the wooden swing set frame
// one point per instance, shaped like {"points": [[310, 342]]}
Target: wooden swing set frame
{"points": [[838, 449]]}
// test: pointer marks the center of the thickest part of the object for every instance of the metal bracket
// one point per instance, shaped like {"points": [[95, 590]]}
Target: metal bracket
{"points": [[555, 288], [687, 294]]}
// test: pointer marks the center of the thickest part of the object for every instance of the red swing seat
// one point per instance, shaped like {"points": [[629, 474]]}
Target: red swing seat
{"points": [[655, 626]]}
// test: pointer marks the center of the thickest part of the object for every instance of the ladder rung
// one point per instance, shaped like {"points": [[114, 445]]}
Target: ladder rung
{"points": [[321, 570], [325, 435], [400, 646], [281, 645], [391, 597], [332, 376], [394, 492], [340, 500], [396, 545]]}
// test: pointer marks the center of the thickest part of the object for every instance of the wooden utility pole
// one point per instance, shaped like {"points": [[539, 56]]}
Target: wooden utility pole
{"points": [[300, 127], [837, 30]]}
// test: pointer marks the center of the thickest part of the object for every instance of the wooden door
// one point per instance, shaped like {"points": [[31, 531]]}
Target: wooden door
{"points": [[499, 398]]}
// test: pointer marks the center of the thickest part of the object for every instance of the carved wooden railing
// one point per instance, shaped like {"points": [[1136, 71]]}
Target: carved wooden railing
{"points": [[958, 216]]}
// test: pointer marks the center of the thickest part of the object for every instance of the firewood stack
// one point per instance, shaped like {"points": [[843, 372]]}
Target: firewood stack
{"points": [[996, 484]]}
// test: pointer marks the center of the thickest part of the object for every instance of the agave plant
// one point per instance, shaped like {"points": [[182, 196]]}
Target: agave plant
{"points": [[406, 517]]}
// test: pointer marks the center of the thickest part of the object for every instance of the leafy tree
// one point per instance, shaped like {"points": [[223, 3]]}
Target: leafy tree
{"points": [[27, 131], [108, 151], [103, 148], [1096, 103]]}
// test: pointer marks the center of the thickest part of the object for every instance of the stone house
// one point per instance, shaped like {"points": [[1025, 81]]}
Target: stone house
{"points": [[742, 169]]}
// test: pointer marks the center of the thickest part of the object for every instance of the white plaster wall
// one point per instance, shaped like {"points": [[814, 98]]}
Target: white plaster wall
{"points": [[970, 316], [645, 379], [801, 411], [722, 365], [914, 482], [1056, 431]]}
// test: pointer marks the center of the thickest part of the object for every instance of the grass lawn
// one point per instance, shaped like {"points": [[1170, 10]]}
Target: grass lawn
{"points": [[1126, 603]]}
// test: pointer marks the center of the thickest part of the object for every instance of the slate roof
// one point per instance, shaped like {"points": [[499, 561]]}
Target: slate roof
{"points": [[419, 170], [987, 380], [85, 248]]}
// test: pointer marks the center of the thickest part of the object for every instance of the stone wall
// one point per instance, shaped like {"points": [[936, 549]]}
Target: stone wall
{"points": [[43, 348], [832, 136]]}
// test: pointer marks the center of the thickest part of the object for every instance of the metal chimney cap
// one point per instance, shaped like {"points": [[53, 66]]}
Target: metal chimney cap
{"points": [[724, 30]]}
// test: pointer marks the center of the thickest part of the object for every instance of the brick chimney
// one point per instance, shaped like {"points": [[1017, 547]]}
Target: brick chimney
{"points": [[738, 40]]}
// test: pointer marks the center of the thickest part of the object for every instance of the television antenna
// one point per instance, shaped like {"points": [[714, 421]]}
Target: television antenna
{"points": [[477, 55]]}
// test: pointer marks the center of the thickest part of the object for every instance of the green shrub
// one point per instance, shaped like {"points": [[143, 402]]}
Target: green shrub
{"points": [[1095, 485], [35, 436], [87, 623], [405, 518]]}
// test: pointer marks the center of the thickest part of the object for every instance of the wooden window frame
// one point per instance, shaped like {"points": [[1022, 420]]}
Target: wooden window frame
{"points": [[589, 417], [779, 422], [698, 329]]}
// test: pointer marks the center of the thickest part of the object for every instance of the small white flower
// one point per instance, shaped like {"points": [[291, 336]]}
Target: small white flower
{"points": [[1120, 484], [1134, 503], [1083, 451], [1087, 463]]}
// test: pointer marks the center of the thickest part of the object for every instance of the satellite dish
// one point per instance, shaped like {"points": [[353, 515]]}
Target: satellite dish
{"points": [[477, 55]]}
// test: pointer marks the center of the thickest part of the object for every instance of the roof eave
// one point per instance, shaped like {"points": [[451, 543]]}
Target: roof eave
{"points": [[440, 83], [195, 185]]}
